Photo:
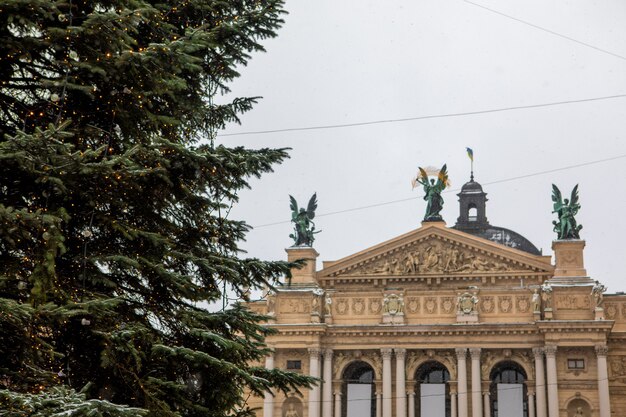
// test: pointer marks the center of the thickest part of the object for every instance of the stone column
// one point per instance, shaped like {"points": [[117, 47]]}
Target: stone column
{"points": [[453, 404], [553, 389], [486, 404], [268, 398], [379, 404], [386, 353], [477, 409], [314, 393], [411, 403], [531, 404], [461, 354], [338, 403], [400, 383], [540, 382], [327, 389], [603, 381]]}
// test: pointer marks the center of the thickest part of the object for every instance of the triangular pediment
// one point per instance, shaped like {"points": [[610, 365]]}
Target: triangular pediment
{"points": [[434, 250]]}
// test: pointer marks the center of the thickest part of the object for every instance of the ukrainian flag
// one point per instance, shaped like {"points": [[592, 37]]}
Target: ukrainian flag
{"points": [[470, 153]]}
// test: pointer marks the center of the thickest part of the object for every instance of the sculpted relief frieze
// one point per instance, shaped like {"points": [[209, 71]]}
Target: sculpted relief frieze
{"points": [[294, 306], [431, 257], [572, 302]]}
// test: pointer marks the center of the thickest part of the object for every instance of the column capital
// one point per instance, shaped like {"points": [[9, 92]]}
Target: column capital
{"points": [[315, 351], [475, 353], [461, 353], [337, 393], [386, 353], [328, 353], [400, 353], [486, 394], [550, 351], [601, 350], [538, 352]]}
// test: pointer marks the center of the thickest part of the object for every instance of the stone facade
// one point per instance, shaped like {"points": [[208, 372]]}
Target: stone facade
{"points": [[442, 300]]}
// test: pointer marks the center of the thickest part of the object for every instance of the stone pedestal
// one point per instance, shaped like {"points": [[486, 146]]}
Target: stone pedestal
{"points": [[568, 255], [599, 313], [467, 318], [547, 314], [306, 274]]}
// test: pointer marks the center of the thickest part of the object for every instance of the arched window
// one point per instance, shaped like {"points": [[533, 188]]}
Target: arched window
{"points": [[472, 212], [432, 391], [508, 386], [359, 390], [292, 407]]}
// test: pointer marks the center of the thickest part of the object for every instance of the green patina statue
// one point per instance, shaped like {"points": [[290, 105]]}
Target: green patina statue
{"points": [[304, 228], [433, 191], [566, 227]]}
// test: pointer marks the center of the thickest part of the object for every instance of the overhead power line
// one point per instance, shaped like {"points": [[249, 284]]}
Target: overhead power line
{"points": [[385, 203], [432, 116], [547, 30]]}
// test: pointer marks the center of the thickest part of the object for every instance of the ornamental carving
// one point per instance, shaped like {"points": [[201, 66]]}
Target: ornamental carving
{"points": [[610, 310], [342, 306], [573, 302], [523, 304], [393, 304], [486, 304], [294, 306], [432, 256], [430, 304], [617, 368], [505, 304], [466, 303], [447, 305], [413, 304], [358, 306], [375, 305]]}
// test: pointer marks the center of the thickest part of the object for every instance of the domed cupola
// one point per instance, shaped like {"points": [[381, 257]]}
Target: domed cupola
{"points": [[473, 201], [473, 220]]}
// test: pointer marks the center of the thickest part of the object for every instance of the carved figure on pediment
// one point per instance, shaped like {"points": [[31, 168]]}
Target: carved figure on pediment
{"points": [[536, 301], [546, 296], [500, 266], [386, 267], [432, 259], [452, 259], [411, 263]]}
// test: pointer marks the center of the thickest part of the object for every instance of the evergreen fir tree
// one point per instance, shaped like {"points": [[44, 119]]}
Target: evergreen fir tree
{"points": [[113, 233]]}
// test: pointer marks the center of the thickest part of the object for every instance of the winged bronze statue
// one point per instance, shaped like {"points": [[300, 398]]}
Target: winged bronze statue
{"points": [[432, 192], [304, 228], [566, 227]]}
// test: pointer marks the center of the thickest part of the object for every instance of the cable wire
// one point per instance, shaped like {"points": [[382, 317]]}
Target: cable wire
{"points": [[547, 30], [332, 213], [432, 116]]}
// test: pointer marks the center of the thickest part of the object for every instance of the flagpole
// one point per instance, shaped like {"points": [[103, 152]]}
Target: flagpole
{"points": [[472, 170]]}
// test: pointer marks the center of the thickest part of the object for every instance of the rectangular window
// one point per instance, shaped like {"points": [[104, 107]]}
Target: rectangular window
{"points": [[294, 365], [575, 364]]}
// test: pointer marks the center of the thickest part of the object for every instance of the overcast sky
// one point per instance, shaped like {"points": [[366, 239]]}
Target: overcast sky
{"points": [[351, 61]]}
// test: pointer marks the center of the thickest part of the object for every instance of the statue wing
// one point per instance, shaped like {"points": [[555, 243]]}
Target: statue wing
{"points": [[293, 205], [574, 198], [442, 179], [422, 174], [556, 198], [310, 210]]}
